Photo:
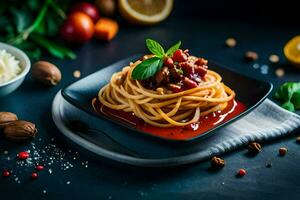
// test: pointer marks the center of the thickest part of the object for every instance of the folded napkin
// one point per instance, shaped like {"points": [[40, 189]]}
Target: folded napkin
{"points": [[266, 122]]}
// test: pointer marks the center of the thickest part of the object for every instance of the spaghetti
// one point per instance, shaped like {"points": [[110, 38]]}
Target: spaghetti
{"points": [[162, 106]]}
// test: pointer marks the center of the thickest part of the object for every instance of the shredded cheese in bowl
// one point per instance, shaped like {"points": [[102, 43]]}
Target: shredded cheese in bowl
{"points": [[9, 66]]}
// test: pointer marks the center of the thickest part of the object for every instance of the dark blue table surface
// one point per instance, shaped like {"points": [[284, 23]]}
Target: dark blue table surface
{"points": [[92, 178]]}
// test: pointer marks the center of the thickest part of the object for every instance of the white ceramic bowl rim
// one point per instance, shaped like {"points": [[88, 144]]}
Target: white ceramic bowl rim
{"points": [[11, 49]]}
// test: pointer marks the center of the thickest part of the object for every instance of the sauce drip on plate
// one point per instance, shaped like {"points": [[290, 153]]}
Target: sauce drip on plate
{"points": [[205, 123]]}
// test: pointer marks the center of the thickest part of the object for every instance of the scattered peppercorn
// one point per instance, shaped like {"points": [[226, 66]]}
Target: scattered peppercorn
{"points": [[34, 175], [251, 56], [40, 167], [217, 162], [6, 173], [274, 58], [230, 42], [280, 72], [254, 147], [23, 155], [282, 151], [241, 172], [298, 139]]}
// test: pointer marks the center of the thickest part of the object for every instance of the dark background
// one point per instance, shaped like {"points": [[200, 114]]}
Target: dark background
{"points": [[203, 27]]}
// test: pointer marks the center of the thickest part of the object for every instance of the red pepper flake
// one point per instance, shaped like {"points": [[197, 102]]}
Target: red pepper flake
{"points": [[241, 172], [282, 151], [6, 173], [34, 175], [23, 155], [40, 167]]}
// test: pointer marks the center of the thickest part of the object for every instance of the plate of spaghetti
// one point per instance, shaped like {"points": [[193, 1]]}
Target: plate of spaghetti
{"points": [[168, 94]]}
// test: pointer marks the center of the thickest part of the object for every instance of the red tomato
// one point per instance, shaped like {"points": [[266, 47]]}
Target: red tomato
{"points": [[86, 8], [78, 28]]}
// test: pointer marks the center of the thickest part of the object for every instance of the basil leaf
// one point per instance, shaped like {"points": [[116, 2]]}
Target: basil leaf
{"points": [[147, 68], [155, 48], [296, 99], [286, 91], [172, 49], [288, 106], [53, 48]]}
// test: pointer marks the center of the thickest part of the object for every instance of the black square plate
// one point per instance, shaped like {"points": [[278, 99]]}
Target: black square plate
{"points": [[251, 92]]}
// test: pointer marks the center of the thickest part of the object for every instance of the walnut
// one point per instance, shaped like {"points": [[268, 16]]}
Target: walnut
{"points": [[217, 162]]}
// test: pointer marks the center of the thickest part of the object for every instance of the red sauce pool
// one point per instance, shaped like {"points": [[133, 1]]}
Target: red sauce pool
{"points": [[205, 123]]}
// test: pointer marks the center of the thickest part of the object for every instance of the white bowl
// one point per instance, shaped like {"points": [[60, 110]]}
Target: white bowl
{"points": [[13, 84]]}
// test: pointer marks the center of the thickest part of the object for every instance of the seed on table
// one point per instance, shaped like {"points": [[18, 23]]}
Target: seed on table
{"points": [[274, 58], [34, 175], [241, 172], [40, 167], [230, 42], [298, 140], [254, 147], [280, 72], [217, 162], [23, 155], [282, 151], [251, 56], [77, 74], [6, 173]]}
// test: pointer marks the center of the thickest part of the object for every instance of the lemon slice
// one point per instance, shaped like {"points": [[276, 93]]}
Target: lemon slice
{"points": [[292, 51], [145, 12]]}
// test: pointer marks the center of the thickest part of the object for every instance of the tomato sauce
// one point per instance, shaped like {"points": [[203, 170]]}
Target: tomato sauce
{"points": [[205, 123]]}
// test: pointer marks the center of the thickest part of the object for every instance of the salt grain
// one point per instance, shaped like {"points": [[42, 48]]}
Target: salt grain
{"points": [[5, 152], [68, 182]]}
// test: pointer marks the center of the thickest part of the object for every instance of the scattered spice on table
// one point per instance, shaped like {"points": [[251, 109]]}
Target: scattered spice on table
{"points": [[241, 172], [251, 56], [298, 140], [230, 42], [217, 163], [34, 175], [274, 58], [282, 151], [6, 173], [77, 74], [279, 72], [254, 147]]}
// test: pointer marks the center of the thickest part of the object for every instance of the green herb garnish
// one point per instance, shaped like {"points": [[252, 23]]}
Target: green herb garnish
{"points": [[32, 25], [289, 94], [151, 66]]}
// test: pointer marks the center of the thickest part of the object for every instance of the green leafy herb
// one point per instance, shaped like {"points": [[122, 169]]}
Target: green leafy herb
{"points": [[173, 48], [19, 22], [151, 66], [155, 48], [296, 99], [53, 48], [289, 94], [147, 68]]}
